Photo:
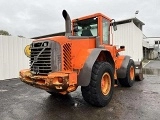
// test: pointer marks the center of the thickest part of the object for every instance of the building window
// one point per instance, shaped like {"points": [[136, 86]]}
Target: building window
{"points": [[156, 42]]}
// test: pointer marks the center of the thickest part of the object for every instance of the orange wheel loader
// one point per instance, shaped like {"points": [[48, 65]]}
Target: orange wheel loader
{"points": [[83, 57]]}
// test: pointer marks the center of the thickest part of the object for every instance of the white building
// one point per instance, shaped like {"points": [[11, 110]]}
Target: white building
{"points": [[12, 57], [129, 33], [151, 46]]}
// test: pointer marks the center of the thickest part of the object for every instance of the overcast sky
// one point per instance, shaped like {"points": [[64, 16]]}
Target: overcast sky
{"points": [[31, 18]]}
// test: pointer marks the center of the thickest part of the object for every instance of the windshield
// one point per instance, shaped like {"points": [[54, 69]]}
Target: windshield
{"points": [[87, 27]]}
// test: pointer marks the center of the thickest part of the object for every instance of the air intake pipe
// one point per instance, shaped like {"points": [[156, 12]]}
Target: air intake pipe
{"points": [[67, 23]]}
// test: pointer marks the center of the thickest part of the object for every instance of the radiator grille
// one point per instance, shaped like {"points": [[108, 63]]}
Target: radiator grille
{"points": [[40, 61], [67, 56]]}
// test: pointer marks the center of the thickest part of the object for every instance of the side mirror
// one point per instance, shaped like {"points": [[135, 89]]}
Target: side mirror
{"points": [[114, 24]]}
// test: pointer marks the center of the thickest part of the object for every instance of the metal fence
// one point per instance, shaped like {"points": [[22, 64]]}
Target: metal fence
{"points": [[12, 57]]}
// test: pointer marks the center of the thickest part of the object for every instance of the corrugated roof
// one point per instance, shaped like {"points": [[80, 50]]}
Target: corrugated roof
{"points": [[135, 20]]}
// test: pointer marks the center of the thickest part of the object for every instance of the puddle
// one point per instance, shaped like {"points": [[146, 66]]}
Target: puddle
{"points": [[151, 71], [3, 90]]}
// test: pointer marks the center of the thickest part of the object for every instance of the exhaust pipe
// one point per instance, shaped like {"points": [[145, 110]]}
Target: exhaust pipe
{"points": [[67, 23]]}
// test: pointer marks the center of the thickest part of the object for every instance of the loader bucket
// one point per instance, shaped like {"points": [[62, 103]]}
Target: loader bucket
{"points": [[138, 71]]}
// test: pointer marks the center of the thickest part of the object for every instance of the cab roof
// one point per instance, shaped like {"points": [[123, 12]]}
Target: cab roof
{"points": [[92, 16]]}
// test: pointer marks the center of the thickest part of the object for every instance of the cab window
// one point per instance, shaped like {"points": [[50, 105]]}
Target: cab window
{"points": [[105, 28], [87, 27]]}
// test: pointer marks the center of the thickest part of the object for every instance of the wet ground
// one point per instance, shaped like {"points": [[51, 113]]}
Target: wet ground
{"points": [[19, 101], [153, 68]]}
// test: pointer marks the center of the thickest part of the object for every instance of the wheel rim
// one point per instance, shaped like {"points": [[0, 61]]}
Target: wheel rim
{"points": [[132, 73], [105, 83]]}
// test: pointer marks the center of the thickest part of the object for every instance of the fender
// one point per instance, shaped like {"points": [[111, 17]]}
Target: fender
{"points": [[85, 73], [138, 70], [121, 72]]}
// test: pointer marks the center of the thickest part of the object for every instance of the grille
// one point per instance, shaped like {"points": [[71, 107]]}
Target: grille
{"points": [[67, 56], [40, 61]]}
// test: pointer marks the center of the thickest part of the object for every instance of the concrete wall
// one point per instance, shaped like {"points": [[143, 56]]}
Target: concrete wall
{"points": [[12, 57]]}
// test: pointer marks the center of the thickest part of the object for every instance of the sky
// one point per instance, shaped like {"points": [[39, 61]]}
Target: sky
{"points": [[32, 18]]}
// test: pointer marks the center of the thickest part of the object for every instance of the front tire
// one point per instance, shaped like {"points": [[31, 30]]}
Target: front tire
{"points": [[100, 89]]}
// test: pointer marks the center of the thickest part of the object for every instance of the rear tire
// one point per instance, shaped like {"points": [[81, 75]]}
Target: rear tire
{"points": [[130, 75], [100, 89]]}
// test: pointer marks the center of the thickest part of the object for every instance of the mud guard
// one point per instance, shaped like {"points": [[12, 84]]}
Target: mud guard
{"points": [[138, 71], [121, 73], [85, 73]]}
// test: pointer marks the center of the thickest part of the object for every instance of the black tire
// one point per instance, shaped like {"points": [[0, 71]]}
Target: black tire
{"points": [[128, 81], [93, 93]]}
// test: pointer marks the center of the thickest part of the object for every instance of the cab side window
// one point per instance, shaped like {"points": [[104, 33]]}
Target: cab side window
{"points": [[105, 31]]}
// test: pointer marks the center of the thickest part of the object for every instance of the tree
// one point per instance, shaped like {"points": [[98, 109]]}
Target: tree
{"points": [[3, 32]]}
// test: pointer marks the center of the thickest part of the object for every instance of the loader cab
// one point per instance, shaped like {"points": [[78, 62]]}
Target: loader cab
{"points": [[96, 25]]}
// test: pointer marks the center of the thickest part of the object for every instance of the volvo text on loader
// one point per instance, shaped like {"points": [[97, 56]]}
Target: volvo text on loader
{"points": [[83, 57]]}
